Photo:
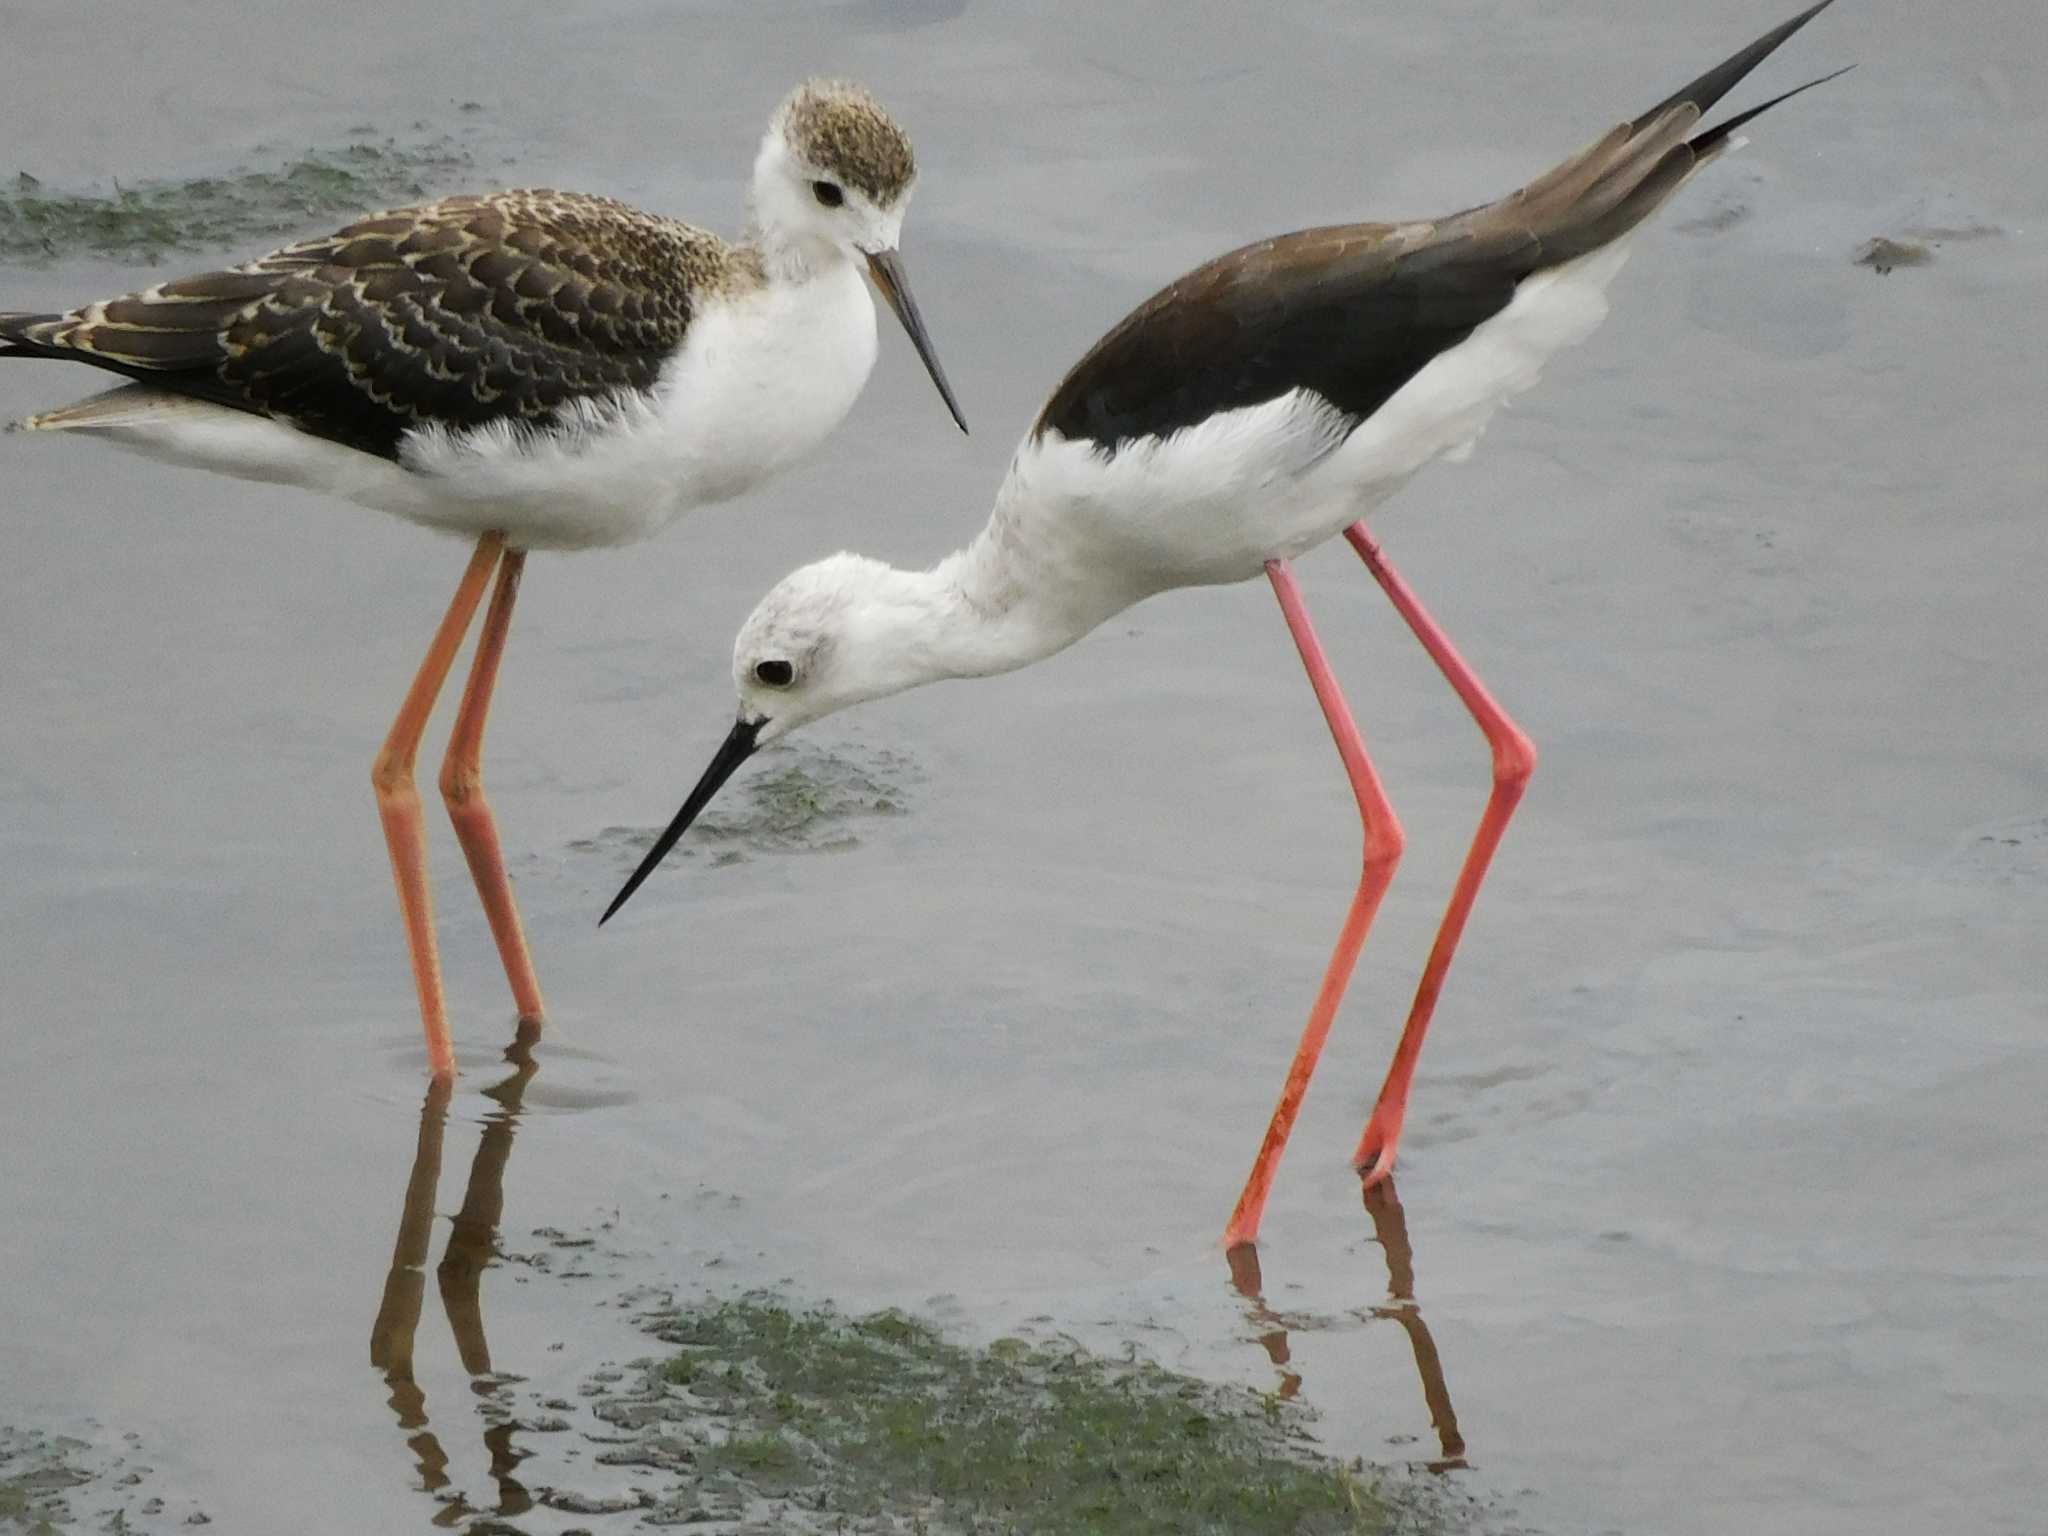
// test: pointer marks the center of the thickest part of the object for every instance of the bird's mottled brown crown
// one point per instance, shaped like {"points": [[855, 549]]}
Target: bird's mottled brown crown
{"points": [[843, 131]]}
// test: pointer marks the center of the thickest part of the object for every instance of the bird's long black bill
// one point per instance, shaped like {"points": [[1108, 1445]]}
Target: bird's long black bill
{"points": [[737, 747], [887, 270]]}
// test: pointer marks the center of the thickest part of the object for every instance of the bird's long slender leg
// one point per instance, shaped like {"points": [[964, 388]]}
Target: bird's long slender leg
{"points": [[398, 800], [462, 787], [1383, 844], [1514, 759]]}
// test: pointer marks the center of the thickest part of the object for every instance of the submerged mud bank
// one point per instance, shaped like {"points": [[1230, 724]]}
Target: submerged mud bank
{"points": [[147, 221], [776, 1416]]}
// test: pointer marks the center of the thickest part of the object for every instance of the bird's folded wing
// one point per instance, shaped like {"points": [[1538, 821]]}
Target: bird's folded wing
{"points": [[1354, 312], [461, 313]]}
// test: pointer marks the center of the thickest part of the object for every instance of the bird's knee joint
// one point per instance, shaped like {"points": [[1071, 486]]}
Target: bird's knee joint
{"points": [[461, 783], [1514, 760], [1383, 849], [391, 776]]}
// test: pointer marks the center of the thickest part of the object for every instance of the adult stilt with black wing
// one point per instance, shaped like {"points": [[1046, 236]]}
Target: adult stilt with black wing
{"points": [[1252, 410]]}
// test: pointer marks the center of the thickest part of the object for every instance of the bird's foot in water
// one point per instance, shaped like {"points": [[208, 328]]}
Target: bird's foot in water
{"points": [[1374, 1158]]}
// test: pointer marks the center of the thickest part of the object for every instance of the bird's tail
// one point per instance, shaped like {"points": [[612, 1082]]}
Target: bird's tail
{"points": [[125, 407], [1611, 186], [18, 332], [17, 340]]}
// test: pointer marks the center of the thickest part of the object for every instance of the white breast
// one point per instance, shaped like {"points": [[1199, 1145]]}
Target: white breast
{"points": [[757, 384], [763, 382]]}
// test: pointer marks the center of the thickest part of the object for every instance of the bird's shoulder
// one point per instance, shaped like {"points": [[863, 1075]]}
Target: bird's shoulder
{"points": [[647, 261]]}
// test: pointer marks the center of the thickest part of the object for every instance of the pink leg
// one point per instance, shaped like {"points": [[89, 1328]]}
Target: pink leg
{"points": [[398, 801], [462, 787], [1514, 759], [1382, 853]]}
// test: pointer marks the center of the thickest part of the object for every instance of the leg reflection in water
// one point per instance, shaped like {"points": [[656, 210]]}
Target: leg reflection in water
{"points": [[472, 1244], [1390, 1231], [1244, 1274]]}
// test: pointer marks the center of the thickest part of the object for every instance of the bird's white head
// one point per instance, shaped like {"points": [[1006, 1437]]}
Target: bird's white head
{"points": [[838, 632], [832, 182], [834, 174]]}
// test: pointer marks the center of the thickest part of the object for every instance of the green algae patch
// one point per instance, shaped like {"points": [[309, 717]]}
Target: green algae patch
{"points": [[52, 1484], [793, 1419], [801, 798], [145, 221], [801, 805], [36, 1474]]}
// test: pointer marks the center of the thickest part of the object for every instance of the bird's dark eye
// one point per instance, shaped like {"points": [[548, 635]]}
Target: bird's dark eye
{"points": [[830, 193], [775, 674]]}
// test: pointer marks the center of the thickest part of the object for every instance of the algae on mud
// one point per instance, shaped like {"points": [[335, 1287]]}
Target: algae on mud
{"points": [[50, 1483], [36, 1472], [802, 1419], [797, 802], [785, 808], [146, 220]]}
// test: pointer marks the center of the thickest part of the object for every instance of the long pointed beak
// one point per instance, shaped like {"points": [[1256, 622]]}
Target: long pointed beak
{"points": [[737, 747], [886, 268]]}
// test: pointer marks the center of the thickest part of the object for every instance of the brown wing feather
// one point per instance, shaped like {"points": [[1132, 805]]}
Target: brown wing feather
{"points": [[463, 312]]}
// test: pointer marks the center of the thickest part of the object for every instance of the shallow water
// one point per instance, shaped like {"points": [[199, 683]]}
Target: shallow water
{"points": [[1722, 1183]]}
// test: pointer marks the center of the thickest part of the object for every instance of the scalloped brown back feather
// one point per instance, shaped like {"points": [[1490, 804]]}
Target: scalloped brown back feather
{"points": [[504, 306]]}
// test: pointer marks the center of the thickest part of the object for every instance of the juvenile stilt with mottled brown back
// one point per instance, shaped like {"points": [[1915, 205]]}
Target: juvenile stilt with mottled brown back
{"points": [[527, 369]]}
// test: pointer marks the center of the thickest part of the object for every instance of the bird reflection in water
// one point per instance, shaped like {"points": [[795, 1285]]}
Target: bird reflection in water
{"points": [[1390, 1231], [472, 1245]]}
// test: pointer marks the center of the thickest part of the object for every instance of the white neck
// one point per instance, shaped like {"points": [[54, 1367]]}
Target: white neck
{"points": [[793, 256], [982, 610]]}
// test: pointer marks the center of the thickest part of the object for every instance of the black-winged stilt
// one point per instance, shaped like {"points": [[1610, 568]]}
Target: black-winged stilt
{"points": [[1252, 410], [530, 369]]}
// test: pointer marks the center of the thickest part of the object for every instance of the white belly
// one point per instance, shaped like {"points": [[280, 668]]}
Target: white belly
{"points": [[756, 385]]}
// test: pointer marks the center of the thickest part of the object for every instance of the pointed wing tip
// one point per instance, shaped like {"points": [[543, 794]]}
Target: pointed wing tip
{"points": [[1710, 87], [1722, 135]]}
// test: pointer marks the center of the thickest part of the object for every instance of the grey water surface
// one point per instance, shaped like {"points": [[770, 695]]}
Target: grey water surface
{"points": [[1724, 1178]]}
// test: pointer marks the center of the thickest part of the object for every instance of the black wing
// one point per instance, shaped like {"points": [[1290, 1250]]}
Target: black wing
{"points": [[1355, 311], [463, 312]]}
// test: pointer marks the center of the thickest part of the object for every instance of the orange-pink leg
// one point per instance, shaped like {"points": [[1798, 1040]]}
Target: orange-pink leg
{"points": [[1382, 852], [1514, 759], [462, 786], [398, 801]]}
